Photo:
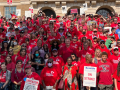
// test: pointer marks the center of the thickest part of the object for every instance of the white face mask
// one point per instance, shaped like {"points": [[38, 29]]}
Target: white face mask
{"points": [[15, 43], [49, 64]]}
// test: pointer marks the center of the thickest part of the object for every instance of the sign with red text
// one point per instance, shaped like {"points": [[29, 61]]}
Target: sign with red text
{"points": [[74, 11], [89, 78], [31, 9], [31, 84], [9, 2]]}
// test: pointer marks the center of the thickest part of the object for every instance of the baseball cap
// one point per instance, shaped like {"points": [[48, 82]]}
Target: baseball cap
{"points": [[91, 15], [115, 48], [27, 66], [21, 31], [54, 49], [94, 37], [61, 22]]}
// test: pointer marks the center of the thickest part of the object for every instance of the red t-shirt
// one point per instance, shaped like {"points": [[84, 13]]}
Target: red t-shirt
{"points": [[49, 76], [81, 70], [66, 52], [3, 77], [58, 63], [25, 59], [83, 53], [10, 66], [105, 50], [114, 60], [106, 71], [115, 76], [75, 45], [34, 76]]}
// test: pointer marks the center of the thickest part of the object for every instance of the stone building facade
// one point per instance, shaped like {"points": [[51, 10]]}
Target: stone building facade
{"points": [[55, 6]]}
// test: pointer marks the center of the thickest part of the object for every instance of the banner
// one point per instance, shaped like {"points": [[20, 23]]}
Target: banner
{"points": [[9, 2], [28, 14], [89, 78], [31, 84], [64, 9], [74, 11], [18, 12], [31, 9]]}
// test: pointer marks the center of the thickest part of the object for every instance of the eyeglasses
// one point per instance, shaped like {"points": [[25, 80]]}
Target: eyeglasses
{"points": [[118, 42]]}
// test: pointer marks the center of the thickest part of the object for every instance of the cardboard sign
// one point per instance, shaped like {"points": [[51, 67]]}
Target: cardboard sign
{"points": [[74, 11], [82, 11], [31, 84], [109, 28], [28, 14], [9, 2], [31, 9], [64, 9], [89, 78], [18, 12]]}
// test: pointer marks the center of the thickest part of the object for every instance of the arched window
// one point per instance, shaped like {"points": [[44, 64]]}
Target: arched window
{"points": [[104, 12], [49, 12]]}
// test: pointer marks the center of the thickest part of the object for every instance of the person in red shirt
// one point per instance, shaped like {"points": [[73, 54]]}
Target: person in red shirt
{"points": [[115, 58], [50, 76], [103, 48], [66, 50], [68, 22], [115, 24], [13, 15], [88, 62], [17, 75], [75, 43], [116, 77], [57, 60], [113, 34], [106, 72], [85, 51], [5, 77], [70, 83], [24, 57], [2, 35], [30, 75], [22, 38], [9, 63]]}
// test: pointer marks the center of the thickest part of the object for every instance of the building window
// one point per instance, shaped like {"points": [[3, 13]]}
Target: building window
{"points": [[7, 13]]}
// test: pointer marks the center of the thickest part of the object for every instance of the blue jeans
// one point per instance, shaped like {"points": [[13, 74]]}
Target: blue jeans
{"points": [[92, 88], [5, 88]]}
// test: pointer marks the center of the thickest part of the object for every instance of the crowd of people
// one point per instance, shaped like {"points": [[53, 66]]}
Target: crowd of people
{"points": [[55, 51]]}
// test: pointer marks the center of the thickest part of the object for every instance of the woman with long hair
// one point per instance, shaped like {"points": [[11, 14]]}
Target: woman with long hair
{"points": [[10, 65], [4, 49], [15, 46], [97, 57]]}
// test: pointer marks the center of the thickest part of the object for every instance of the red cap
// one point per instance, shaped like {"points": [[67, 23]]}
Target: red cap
{"points": [[58, 16], [27, 66]]}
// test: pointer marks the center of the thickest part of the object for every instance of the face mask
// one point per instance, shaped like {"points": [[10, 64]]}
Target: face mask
{"points": [[84, 32], [37, 55], [49, 64], [15, 43], [45, 39]]}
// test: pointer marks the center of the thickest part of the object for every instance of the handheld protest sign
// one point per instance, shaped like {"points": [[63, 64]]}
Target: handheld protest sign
{"points": [[89, 78], [31, 84]]}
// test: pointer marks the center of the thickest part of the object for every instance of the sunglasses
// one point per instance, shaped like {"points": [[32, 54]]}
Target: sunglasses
{"points": [[49, 62], [74, 38], [118, 42], [102, 43]]}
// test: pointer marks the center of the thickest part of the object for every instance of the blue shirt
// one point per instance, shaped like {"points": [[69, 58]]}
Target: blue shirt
{"points": [[118, 32]]}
